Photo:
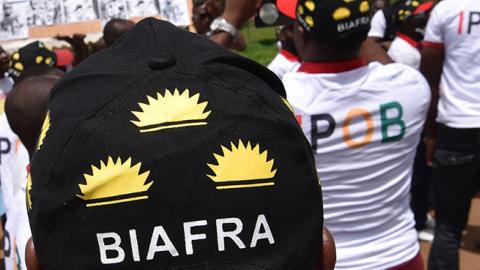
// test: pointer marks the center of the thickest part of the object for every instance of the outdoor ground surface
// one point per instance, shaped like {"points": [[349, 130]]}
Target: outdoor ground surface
{"points": [[262, 48]]}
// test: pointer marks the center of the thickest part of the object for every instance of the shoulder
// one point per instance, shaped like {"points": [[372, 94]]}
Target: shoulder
{"points": [[400, 77]]}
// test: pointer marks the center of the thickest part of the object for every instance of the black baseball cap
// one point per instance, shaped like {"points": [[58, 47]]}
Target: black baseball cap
{"points": [[337, 22], [412, 10], [167, 151], [31, 55]]}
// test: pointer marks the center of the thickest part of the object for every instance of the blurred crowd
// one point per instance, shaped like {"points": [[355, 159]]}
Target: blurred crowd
{"points": [[386, 92]]}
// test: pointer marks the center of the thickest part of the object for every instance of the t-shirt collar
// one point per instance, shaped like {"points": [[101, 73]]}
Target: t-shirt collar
{"points": [[334, 67], [290, 56], [410, 41]]}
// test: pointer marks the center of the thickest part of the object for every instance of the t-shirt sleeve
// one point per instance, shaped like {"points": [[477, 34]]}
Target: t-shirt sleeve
{"points": [[378, 25], [434, 30]]}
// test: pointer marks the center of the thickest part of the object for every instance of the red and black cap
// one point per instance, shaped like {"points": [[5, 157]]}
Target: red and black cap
{"points": [[167, 151], [31, 55], [332, 21], [413, 10]]}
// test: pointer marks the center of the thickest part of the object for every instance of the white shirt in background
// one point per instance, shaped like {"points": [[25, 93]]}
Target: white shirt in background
{"points": [[6, 84], [13, 178], [364, 124], [378, 25], [405, 50], [284, 62], [452, 26]]}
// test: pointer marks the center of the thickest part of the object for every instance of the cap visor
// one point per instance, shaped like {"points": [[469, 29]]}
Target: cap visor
{"points": [[287, 7], [427, 6]]}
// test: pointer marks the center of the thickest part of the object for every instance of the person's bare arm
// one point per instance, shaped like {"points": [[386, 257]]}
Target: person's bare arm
{"points": [[431, 67], [372, 51], [80, 48], [237, 12]]}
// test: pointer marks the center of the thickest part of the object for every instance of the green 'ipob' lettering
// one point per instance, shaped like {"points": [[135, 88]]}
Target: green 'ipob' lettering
{"points": [[394, 121]]}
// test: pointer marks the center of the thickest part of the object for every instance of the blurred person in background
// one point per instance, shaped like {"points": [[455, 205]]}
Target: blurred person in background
{"points": [[382, 32], [379, 4], [112, 31], [451, 62], [287, 59], [115, 29], [411, 20], [364, 124], [6, 82], [10, 22], [27, 100], [204, 13], [236, 13], [31, 55]]}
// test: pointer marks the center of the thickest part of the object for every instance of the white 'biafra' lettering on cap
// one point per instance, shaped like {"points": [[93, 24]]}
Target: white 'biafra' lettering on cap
{"points": [[112, 251], [345, 26]]}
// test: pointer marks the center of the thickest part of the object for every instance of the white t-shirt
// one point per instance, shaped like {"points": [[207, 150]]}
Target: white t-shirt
{"points": [[405, 50], [13, 176], [453, 25], [378, 25], [6, 84], [364, 124], [284, 62]]}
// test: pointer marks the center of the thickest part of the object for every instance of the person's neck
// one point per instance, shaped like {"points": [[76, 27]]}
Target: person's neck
{"points": [[319, 52], [328, 55]]}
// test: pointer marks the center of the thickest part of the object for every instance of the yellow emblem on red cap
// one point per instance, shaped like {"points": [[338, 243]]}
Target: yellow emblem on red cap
{"points": [[115, 182], [341, 13], [172, 110], [242, 166]]}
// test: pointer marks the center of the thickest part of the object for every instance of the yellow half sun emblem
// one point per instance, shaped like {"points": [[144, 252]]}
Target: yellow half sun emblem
{"points": [[171, 111], [242, 166], [341, 13], [115, 182], [364, 7], [29, 188], [43, 134]]}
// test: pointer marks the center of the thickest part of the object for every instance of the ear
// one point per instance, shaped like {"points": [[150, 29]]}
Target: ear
{"points": [[300, 37]]}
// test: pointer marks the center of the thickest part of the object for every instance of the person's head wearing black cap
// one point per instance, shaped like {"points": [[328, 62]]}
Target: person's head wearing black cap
{"points": [[328, 30], [177, 154], [115, 29], [32, 55], [411, 18]]}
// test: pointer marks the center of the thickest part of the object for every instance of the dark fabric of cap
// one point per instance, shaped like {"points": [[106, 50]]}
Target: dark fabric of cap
{"points": [[167, 151], [31, 55], [412, 9], [332, 21]]}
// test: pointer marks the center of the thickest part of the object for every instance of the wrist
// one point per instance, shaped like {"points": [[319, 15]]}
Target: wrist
{"points": [[220, 24]]}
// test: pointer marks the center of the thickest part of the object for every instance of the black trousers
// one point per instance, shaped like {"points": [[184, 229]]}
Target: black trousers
{"points": [[456, 179], [421, 188]]}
